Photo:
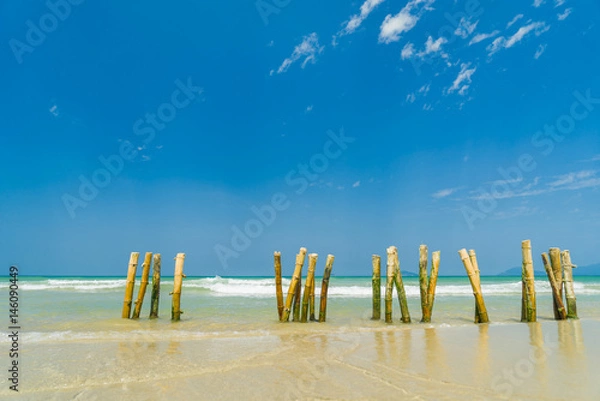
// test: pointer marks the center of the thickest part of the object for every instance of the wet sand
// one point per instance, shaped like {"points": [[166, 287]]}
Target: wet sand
{"points": [[539, 361]]}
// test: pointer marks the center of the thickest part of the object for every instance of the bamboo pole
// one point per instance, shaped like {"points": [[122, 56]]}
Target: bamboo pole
{"points": [[310, 281], [298, 293], [435, 266], [529, 307], [568, 281], [476, 285], [324, 288], [400, 289], [423, 280], [559, 312], [376, 283], [278, 289], [143, 285], [475, 264], [292, 289], [155, 287], [312, 302], [389, 285], [177, 281], [130, 284], [558, 276]]}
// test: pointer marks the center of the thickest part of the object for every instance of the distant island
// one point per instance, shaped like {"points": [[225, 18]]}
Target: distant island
{"points": [[589, 270]]}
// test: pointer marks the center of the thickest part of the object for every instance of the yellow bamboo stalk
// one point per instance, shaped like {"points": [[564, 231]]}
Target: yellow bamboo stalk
{"points": [[569, 288], [324, 288], [130, 284], [143, 285], [389, 285], [310, 280], [476, 285], [558, 276], [298, 294], [177, 282], [312, 302], [278, 289], [559, 312], [294, 283], [435, 266], [529, 307], [155, 298], [423, 280], [405, 315], [376, 284], [475, 264]]}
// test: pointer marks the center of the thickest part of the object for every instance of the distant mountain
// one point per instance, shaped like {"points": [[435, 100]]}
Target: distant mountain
{"points": [[409, 274], [516, 271], [590, 270]]}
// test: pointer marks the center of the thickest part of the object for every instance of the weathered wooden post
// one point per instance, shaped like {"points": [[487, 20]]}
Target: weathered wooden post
{"points": [[476, 285], [143, 285], [155, 287], [312, 302], [435, 266], [310, 281], [278, 289], [389, 284], [376, 283], [475, 264], [559, 306], [294, 283], [529, 308], [400, 288], [298, 293], [130, 284], [177, 281], [558, 276], [423, 280], [569, 288], [324, 288]]}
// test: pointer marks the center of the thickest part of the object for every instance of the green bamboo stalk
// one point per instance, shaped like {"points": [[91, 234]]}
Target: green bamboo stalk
{"points": [[559, 312], [376, 283], [324, 288], [405, 315], [569, 288], [155, 297], [295, 280], [423, 280], [310, 280]]}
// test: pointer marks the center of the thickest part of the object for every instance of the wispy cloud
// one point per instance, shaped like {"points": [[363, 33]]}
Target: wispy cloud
{"points": [[564, 15], [483, 36], [443, 193], [537, 3], [463, 80], [357, 19], [54, 110], [515, 19], [540, 50], [558, 3], [356, 184], [411, 97], [309, 108], [465, 27], [307, 50], [393, 26], [501, 42]]}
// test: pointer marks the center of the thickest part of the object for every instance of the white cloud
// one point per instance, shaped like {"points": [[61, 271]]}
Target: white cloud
{"points": [[558, 3], [482, 36], [307, 49], [463, 80], [407, 51], [465, 28], [503, 43], [356, 184], [393, 26], [54, 110], [427, 107], [424, 89], [540, 50], [564, 15], [309, 108], [434, 46], [411, 98], [537, 3], [442, 193], [512, 21], [357, 19]]}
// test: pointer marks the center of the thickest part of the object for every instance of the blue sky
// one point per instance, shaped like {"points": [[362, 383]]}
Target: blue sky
{"points": [[347, 126]]}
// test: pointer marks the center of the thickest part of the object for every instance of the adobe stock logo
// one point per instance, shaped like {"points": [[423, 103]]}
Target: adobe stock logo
{"points": [[300, 179], [59, 11]]}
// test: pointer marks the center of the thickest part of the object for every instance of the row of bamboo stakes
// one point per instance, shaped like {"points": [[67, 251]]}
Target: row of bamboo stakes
{"points": [[155, 261], [558, 267], [302, 306]]}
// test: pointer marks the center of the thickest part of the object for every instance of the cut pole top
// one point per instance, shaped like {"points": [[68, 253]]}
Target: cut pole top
{"points": [[277, 253], [526, 244]]}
